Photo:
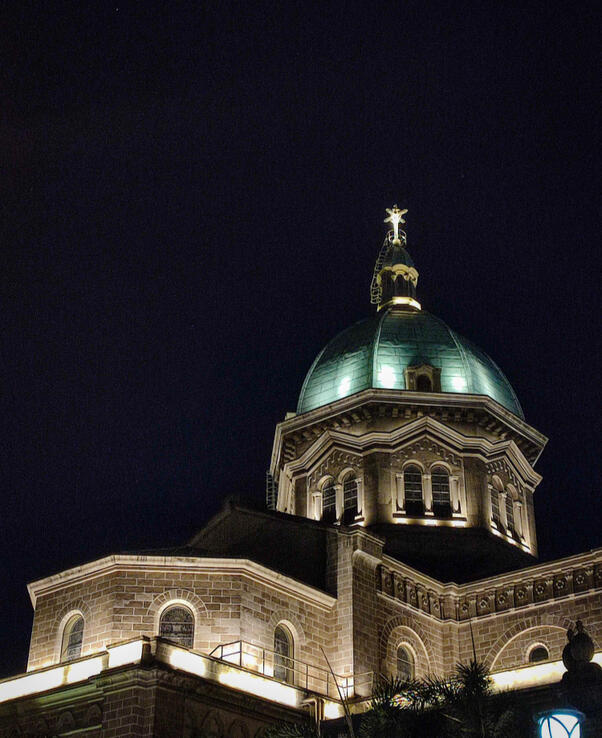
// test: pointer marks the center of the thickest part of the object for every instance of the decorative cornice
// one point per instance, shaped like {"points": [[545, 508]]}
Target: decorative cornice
{"points": [[552, 581], [403, 401], [130, 563], [385, 440]]}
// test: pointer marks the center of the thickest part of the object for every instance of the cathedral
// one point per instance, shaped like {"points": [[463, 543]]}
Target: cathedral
{"points": [[398, 537]]}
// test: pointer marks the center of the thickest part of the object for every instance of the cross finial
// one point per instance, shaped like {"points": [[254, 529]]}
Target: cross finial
{"points": [[395, 218]]}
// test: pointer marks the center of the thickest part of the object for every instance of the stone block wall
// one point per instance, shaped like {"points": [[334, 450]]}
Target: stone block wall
{"points": [[227, 607], [380, 604], [141, 702]]}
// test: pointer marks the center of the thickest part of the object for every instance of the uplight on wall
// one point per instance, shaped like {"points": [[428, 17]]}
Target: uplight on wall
{"points": [[560, 724]]}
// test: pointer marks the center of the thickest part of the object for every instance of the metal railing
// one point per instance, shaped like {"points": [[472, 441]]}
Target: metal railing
{"points": [[292, 671]]}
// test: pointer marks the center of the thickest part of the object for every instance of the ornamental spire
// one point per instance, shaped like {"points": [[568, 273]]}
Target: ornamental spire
{"points": [[395, 218], [395, 277]]}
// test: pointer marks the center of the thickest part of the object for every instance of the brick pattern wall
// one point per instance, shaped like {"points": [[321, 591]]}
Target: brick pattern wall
{"points": [[143, 702], [374, 612], [227, 607], [516, 651]]}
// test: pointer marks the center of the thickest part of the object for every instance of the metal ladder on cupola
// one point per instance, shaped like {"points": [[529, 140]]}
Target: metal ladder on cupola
{"points": [[375, 290]]}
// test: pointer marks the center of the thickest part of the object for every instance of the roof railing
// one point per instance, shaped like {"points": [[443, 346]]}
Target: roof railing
{"points": [[291, 671]]}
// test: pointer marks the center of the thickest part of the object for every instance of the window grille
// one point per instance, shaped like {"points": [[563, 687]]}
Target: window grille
{"points": [[495, 505], [329, 500], [405, 664], [412, 482], [177, 624], [350, 498], [441, 496], [509, 512], [73, 637]]}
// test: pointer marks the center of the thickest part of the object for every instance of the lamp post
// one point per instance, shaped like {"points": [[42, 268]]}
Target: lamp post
{"points": [[560, 723]]}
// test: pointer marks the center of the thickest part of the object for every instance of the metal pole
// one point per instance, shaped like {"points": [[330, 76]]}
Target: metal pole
{"points": [[343, 699]]}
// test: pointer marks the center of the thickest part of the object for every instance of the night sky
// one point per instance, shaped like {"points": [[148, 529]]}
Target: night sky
{"points": [[191, 207]]}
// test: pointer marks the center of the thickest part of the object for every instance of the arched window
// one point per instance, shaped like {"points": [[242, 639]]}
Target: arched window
{"points": [[73, 636], [423, 383], [441, 498], [412, 482], [539, 653], [283, 654], [496, 488], [405, 664], [177, 624], [329, 501], [349, 498], [509, 512]]}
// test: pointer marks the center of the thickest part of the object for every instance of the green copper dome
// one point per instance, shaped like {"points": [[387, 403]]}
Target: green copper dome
{"points": [[375, 352]]}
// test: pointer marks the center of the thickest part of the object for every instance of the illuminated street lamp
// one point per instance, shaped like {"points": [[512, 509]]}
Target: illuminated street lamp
{"points": [[560, 724]]}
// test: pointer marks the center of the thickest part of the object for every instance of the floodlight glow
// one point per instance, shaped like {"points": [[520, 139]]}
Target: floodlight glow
{"points": [[41, 681], [259, 686], [386, 377], [344, 386], [459, 384], [82, 670], [187, 661], [333, 710], [126, 653], [529, 676]]}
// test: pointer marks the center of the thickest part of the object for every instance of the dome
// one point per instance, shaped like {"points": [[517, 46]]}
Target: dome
{"points": [[375, 352]]}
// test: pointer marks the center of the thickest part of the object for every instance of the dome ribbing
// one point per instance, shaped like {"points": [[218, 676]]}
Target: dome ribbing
{"points": [[375, 353]]}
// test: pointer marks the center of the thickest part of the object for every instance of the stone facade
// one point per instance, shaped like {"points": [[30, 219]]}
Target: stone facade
{"points": [[403, 519], [143, 701], [485, 452], [376, 603]]}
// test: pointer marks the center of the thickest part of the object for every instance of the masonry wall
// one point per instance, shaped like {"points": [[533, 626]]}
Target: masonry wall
{"points": [[227, 608], [139, 702], [380, 605]]}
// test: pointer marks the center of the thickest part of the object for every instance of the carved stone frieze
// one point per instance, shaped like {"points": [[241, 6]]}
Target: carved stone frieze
{"points": [[517, 594], [336, 462], [422, 446], [542, 589]]}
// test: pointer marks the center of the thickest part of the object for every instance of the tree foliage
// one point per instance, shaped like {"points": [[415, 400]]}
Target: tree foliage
{"points": [[460, 706], [292, 730]]}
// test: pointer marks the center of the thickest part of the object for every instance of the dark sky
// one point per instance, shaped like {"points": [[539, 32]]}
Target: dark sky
{"points": [[192, 197]]}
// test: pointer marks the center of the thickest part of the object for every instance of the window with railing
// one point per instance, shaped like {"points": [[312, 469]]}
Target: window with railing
{"points": [[283, 654], [300, 674]]}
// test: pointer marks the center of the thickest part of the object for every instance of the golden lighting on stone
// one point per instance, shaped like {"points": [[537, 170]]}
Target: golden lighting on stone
{"points": [[395, 218], [531, 676], [187, 661], [59, 676], [259, 686], [125, 653], [398, 300], [333, 710]]}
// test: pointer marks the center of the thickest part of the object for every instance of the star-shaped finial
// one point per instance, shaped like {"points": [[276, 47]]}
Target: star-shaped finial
{"points": [[395, 217]]}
